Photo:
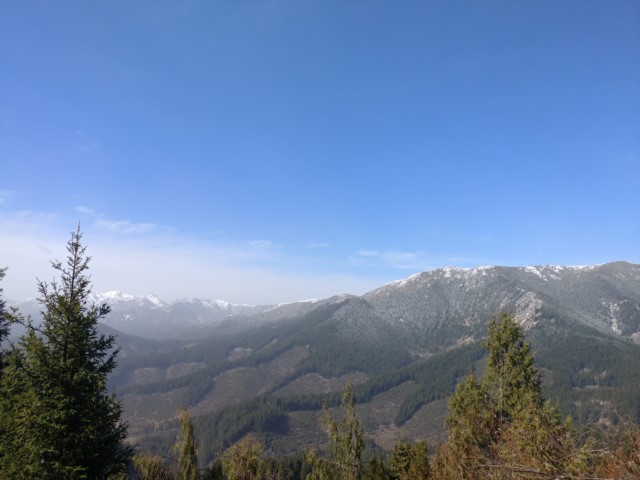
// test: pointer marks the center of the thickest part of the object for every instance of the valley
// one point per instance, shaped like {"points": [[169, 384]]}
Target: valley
{"points": [[404, 346]]}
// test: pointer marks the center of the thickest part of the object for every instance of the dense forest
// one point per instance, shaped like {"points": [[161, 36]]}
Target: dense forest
{"points": [[58, 419], [498, 426]]}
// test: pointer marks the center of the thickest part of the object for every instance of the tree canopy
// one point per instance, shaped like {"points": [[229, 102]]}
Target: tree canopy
{"points": [[4, 324], [56, 416], [501, 426]]}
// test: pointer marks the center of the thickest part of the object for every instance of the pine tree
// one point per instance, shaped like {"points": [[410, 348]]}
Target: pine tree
{"points": [[155, 467], [4, 322], [58, 419], [419, 467], [501, 427], [409, 462], [511, 372], [346, 444], [4, 331], [400, 460], [151, 467], [187, 448], [243, 460], [375, 469]]}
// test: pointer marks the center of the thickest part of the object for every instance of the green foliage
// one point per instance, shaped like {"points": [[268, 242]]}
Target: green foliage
{"points": [[511, 372], [151, 467], [538, 439], [501, 427], [468, 417], [409, 462], [596, 380], [243, 461], [375, 470], [346, 444], [186, 448], [331, 353], [4, 328], [57, 419], [4, 323], [155, 467], [436, 378], [221, 429]]}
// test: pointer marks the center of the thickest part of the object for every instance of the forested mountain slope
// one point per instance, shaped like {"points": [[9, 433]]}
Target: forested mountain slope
{"points": [[405, 345]]}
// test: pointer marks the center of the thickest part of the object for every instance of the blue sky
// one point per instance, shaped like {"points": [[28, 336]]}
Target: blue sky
{"points": [[270, 151]]}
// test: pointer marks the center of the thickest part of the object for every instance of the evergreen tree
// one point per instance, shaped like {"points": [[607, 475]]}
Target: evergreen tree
{"points": [[4, 331], [419, 467], [187, 449], [400, 460], [511, 372], [185, 467], [151, 467], [346, 444], [409, 462], [4, 322], [57, 418], [375, 469], [501, 427], [243, 460]]}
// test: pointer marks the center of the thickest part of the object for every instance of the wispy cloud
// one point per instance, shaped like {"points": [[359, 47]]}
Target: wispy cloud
{"points": [[84, 210], [6, 196], [416, 261], [143, 258], [263, 244], [392, 259], [125, 226]]}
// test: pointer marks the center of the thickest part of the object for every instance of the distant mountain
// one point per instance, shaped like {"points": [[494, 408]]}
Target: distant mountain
{"points": [[149, 317], [440, 307], [405, 345], [133, 346], [457, 302]]}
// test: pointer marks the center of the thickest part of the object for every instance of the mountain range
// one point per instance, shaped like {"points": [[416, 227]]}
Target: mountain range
{"points": [[599, 296], [405, 345]]}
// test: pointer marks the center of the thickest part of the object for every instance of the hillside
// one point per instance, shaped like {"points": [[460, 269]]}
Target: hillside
{"points": [[404, 345]]}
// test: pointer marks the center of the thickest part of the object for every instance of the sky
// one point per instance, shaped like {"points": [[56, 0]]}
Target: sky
{"points": [[278, 150]]}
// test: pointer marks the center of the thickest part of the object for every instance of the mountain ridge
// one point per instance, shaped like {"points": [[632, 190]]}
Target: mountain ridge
{"points": [[406, 343], [464, 295]]}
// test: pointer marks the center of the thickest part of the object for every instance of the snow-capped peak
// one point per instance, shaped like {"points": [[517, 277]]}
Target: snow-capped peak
{"points": [[546, 272], [453, 271], [221, 304], [112, 296], [155, 300], [402, 282]]}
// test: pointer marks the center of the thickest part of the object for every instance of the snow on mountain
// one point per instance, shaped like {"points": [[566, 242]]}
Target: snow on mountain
{"points": [[116, 297], [151, 317], [605, 297]]}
